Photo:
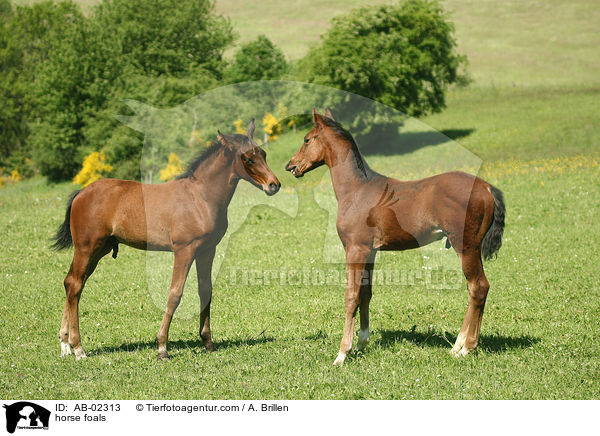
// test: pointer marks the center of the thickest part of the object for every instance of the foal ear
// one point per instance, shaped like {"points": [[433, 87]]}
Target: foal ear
{"points": [[328, 114], [222, 140], [251, 128], [317, 118]]}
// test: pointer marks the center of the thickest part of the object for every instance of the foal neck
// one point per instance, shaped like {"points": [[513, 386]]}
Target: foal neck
{"points": [[216, 177], [348, 168]]}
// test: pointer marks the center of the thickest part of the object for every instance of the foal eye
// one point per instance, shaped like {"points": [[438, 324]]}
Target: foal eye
{"points": [[249, 161], [306, 140]]}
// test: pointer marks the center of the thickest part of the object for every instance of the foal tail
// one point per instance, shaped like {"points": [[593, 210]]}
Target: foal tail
{"points": [[492, 240], [63, 238]]}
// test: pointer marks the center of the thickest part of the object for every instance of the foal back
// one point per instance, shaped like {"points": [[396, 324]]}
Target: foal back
{"points": [[148, 217], [401, 215]]}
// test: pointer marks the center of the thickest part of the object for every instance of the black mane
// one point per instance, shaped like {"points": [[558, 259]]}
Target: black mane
{"points": [[211, 150], [337, 128]]}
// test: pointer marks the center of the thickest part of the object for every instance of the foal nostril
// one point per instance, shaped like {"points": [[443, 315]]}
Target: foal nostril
{"points": [[288, 166], [273, 187]]}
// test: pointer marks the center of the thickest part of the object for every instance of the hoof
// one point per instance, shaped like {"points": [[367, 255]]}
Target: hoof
{"points": [[463, 351], [210, 347], [163, 355], [458, 345], [80, 355], [65, 349], [363, 340], [339, 361]]}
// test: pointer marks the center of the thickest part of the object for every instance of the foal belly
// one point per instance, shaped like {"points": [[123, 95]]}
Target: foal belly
{"points": [[402, 240], [392, 235], [395, 241]]}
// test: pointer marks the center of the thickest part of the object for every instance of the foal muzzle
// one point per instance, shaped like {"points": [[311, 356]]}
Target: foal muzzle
{"points": [[272, 188], [293, 169]]}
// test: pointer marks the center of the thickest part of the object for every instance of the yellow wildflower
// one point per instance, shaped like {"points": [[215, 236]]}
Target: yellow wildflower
{"points": [[271, 126], [172, 169], [94, 165], [238, 126], [15, 176]]}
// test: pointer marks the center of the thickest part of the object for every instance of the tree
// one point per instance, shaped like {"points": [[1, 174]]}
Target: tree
{"points": [[27, 37], [400, 55], [159, 51], [166, 37], [257, 60], [73, 86]]}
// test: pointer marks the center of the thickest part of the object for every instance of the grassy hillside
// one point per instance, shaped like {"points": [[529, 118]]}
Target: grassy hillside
{"points": [[529, 42], [509, 42]]}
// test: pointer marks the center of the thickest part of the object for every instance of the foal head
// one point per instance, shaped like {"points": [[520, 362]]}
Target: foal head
{"points": [[250, 161], [321, 145]]}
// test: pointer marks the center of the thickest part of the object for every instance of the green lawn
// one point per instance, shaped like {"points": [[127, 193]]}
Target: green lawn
{"points": [[540, 336], [531, 115]]}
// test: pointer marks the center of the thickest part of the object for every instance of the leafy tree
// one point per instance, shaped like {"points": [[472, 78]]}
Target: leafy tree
{"points": [[11, 118], [166, 37], [257, 60], [27, 37], [74, 85], [401, 55], [159, 51]]}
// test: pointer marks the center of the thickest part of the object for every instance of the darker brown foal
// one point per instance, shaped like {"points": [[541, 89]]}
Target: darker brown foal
{"points": [[187, 216]]}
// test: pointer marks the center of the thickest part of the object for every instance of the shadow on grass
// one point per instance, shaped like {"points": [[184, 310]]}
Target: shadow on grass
{"points": [[489, 343], [182, 344], [392, 143]]}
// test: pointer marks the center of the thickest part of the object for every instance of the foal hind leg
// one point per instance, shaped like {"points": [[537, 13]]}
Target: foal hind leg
{"points": [[478, 287], [65, 348], [82, 267], [69, 332]]}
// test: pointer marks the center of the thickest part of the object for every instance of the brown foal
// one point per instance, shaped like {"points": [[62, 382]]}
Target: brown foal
{"points": [[376, 212], [187, 216]]}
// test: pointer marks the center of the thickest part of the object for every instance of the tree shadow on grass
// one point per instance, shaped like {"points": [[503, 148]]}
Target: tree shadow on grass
{"points": [[489, 343], [182, 344], [392, 143]]}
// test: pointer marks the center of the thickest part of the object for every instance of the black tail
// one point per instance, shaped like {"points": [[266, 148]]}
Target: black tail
{"points": [[492, 240], [63, 238]]}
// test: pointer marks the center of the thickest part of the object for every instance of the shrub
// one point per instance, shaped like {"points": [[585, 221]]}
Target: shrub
{"points": [[94, 167], [257, 60], [173, 168], [239, 127], [271, 126], [401, 55]]}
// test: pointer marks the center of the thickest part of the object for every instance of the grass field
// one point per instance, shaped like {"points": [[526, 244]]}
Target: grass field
{"points": [[531, 115], [540, 337]]}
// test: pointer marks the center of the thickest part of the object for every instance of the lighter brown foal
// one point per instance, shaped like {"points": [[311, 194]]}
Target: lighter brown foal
{"points": [[376, 212]]}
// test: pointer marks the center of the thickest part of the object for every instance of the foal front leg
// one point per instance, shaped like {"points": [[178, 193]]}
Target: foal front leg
{"points": [[356, 259], [365, 298], [204, 261], [181, 266]]}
